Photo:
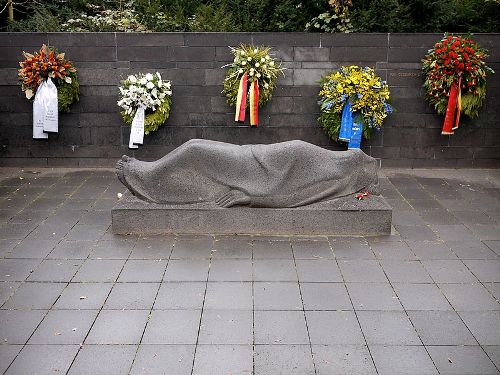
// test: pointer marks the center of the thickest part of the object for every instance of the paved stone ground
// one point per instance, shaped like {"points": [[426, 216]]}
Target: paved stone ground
{"points": [[76, 299]]}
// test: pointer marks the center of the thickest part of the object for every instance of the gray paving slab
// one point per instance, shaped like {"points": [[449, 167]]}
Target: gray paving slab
{"points": [[118, 327], [144, 270], [112, 249], [472, 250], [334, 327], [180, 295], [99, 270], [416, 232], [485, 231], [132, 296], [274, 270], [223, 359], [43, 359], [448, 271], [32, 249], [398, 360], [461, 360], [493, 352], [343, 359], [187, 270], [277, 296], [441, 328], [17, 269], [172, 327], [393, 250], [469, 297], [351, 248], [64, 327], [103, 360], [401, 271], [484, 325], [271, 249], [225, 327], [83, 296], [362, 271], [227, 247], [429, 250], [164, 359], [17, 326], [193, 247], [373, 296], [72, 250], [55, 270], [318, 270], [387, 328], [485, 270], [280, 327], [86, 232], [493, 245], [283, 360], [454, 232], [312, 249], [230, 270], [7, 289], [325, 296], [229, 295], [421, 297], [494, 289], [35, 296], [7, 355], [156, 247]]}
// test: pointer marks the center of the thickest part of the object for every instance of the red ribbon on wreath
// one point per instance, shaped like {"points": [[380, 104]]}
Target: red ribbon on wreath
{"points": [[241, 101], [453, 109]]}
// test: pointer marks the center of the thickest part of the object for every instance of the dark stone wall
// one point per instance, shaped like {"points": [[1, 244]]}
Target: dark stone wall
{"points": [[92, 134]]}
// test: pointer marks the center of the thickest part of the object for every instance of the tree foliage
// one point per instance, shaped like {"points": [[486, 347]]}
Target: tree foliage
{"points": [[254, 15]]}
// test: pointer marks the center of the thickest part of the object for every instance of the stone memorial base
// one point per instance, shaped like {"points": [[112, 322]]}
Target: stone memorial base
{"points": [[341, 216]]}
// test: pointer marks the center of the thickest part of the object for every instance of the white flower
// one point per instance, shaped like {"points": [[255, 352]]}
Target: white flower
{"points": [[252, 69], [264, 66], [242, 53], [149, 77], [243, 63], [262, 59], [266, 85], [154, 92], [167, 84], [143, 81], [249, 58], [150, 85], [255, 50], [258, 75], [169, 92], [158, 75], [132, 79], [271, 63], [251, 73], [240, 71], [268, 57], [257, 65]]}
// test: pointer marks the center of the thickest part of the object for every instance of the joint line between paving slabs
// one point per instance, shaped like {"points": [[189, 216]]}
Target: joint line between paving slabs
{"points": [[26, 280], [154, 301], [100, 310], [254, 348], [404, 309], [303, 308], [352, 304], [203, 304]]}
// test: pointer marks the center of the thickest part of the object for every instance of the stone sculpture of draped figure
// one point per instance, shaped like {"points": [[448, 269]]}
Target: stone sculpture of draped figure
{"points": [[280, 175]]}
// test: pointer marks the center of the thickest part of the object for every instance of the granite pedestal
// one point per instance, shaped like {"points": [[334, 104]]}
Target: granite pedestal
{"points": [[341, 216]]}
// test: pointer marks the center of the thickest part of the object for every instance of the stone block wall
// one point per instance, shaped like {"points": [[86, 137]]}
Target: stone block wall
{"points": [[93, 134]]}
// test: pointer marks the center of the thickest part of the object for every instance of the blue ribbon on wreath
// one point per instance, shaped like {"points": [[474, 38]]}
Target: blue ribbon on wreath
{"points": [[351, 127]]}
